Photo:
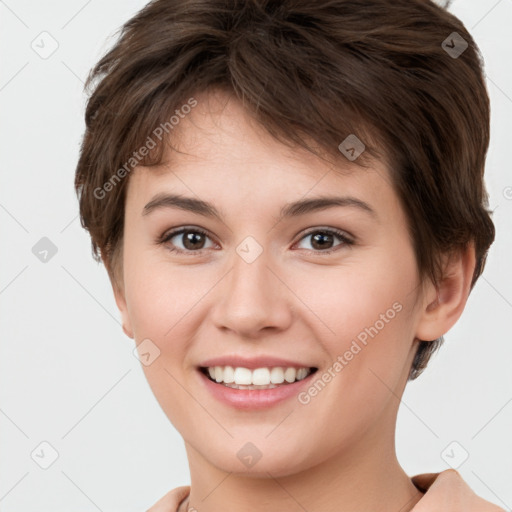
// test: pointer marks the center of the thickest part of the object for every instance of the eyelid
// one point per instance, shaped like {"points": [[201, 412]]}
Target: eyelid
{"points": [[338, 232], [171, 233]]}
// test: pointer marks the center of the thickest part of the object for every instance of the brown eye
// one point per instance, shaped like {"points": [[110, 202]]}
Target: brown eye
{"points": [[193, 240], [323, 240], [186, 240]]}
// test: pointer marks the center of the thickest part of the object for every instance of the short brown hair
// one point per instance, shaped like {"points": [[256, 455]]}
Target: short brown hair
{"points": [[307, 71]]}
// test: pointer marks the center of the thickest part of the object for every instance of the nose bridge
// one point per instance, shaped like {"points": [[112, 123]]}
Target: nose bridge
{"points": [[252, 298]]}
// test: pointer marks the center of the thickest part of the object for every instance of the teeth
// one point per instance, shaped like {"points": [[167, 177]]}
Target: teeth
{"points": [[301, 373], [229, 374], [290, 374], [244, 378], [276, 375], [252, 386], [261, 377]]}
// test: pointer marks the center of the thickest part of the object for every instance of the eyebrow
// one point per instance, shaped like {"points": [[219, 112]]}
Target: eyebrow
{"points": [[296, 208]]}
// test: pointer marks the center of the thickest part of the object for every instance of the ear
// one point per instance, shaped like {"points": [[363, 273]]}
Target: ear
{"points": [[120, 299], [443, 304]]}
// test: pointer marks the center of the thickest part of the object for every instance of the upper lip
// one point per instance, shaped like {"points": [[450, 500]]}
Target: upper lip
{"points": [[253, 362]]}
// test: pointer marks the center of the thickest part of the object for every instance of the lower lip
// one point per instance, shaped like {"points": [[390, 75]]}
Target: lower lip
{"points": [[254, 398]]}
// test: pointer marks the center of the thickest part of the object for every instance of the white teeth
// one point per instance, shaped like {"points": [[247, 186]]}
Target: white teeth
{"points": [[252, 386], [229, 374], [289, 374], [244, 378], [261, 377], [301, 373], [277, 375]]}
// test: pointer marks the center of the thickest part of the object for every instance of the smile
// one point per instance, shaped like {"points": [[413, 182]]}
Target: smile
{"points": [[257, 388], [258, 378]]}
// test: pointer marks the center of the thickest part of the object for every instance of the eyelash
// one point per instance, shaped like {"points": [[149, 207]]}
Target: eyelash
{"points": [[331, 231]]}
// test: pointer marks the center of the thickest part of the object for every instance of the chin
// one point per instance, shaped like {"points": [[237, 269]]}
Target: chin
{"points": [[245, 459]]}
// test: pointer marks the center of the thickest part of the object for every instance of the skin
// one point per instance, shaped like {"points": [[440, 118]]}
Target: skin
{"points": [[337, 452]]}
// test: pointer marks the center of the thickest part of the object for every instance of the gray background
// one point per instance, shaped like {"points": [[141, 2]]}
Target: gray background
{"points": [[68, 374]]}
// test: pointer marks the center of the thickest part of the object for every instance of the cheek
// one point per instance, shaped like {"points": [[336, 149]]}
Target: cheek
{"points": [[160, 295], [378, 290], [369, 352], [367, 322], [161, 301]]}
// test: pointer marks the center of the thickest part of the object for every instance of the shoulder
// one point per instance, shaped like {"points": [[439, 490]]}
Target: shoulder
{"points": [[449, 492], [171, 501]]}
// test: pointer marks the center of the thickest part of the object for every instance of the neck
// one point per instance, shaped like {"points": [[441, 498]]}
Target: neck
{"points": [[364, 476]]}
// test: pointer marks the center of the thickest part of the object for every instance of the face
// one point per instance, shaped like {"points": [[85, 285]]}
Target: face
{"points": [[262, 284]]}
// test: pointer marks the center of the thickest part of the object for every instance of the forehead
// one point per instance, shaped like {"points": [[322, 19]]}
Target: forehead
{"points": [[221, 154]]}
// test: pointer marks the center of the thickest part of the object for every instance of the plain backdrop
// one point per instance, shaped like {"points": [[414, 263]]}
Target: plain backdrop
{"points": [[68, 376]]}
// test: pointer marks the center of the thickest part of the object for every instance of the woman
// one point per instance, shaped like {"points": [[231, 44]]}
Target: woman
{"points": [[289, 200]]}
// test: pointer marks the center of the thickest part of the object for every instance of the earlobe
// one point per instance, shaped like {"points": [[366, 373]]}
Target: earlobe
{"points": [[444, 304], [121, 305], [120, 299]]}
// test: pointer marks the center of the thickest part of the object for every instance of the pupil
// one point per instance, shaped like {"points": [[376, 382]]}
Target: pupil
{"points": [[192, 239], [320, 238]]}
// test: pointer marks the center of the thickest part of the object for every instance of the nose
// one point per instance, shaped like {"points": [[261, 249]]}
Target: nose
{"points": [[252, 299]]}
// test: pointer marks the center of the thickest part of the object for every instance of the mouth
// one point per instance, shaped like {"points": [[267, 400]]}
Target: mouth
{"points": [[241, 378]]}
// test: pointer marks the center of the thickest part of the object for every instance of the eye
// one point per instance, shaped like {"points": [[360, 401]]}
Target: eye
{"points": [[322, 240], [191, 240]]}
